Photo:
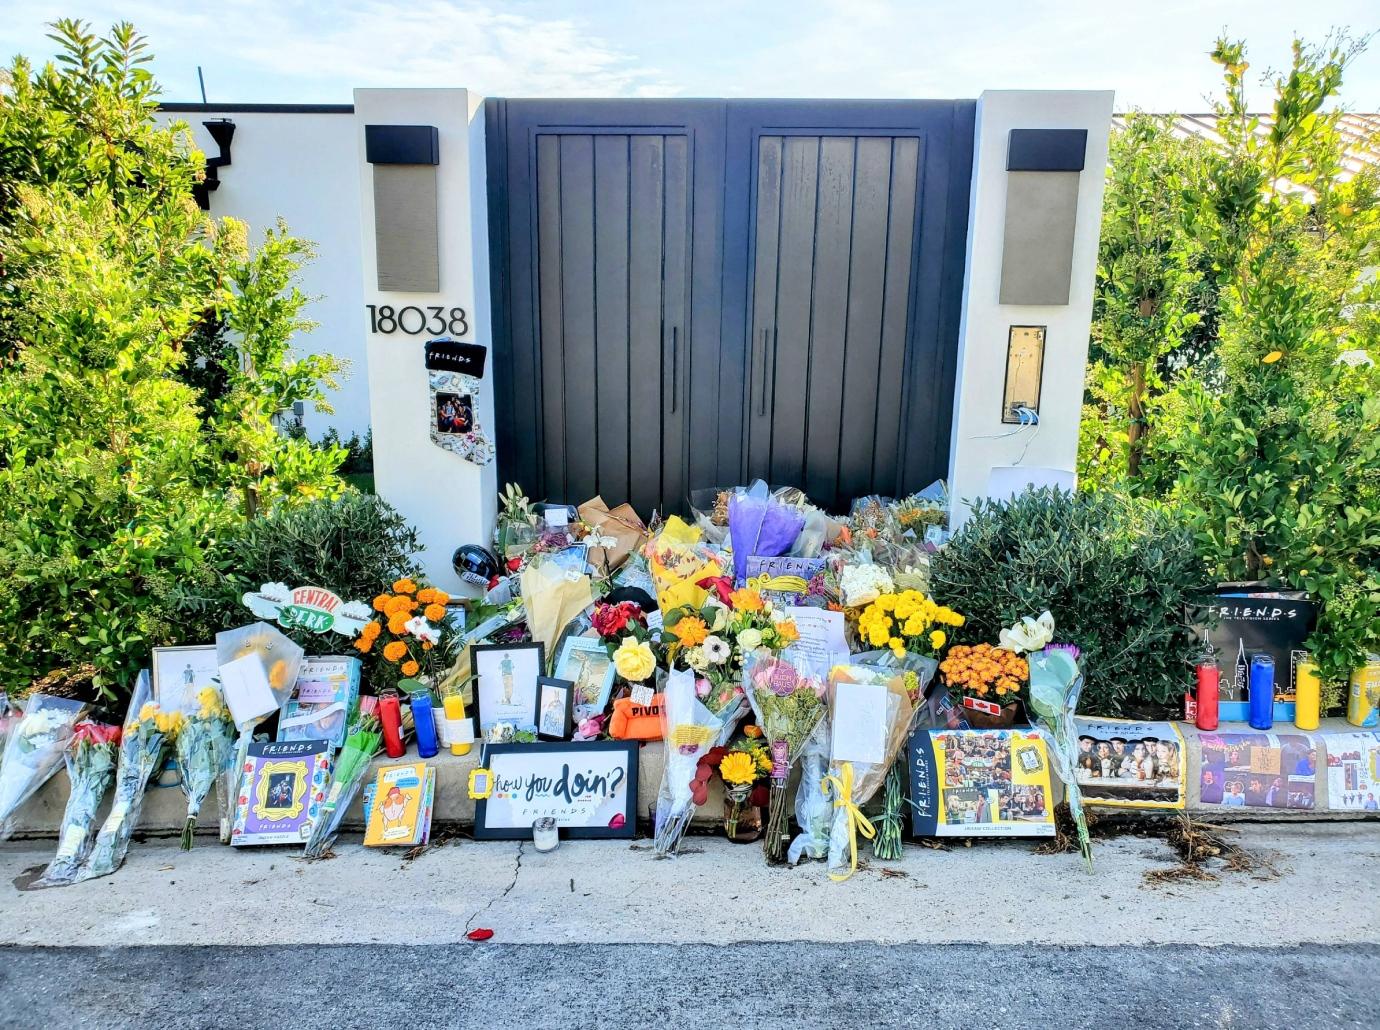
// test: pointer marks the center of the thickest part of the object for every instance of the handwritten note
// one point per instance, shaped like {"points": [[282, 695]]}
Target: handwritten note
{"points": [[821, 635]]}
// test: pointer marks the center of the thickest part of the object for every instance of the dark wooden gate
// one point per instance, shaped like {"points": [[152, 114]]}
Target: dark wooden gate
{"points": [[691, 294]]}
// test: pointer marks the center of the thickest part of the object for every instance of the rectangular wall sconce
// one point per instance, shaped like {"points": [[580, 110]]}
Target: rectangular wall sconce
{"points": [[1025, 362], [406, 235], [1043, 168]]}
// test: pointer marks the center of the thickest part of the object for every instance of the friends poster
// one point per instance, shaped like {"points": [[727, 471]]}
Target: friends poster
{"points": [[1258, 770], [1122, 763], [980, 783], [589, 788]]}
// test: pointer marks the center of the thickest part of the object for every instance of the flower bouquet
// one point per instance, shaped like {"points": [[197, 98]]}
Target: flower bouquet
{"points": [[34, 751], [743, 767], [871, 715], [146, 731], [351, 766], [90, 760], [678, 561], [409, 633], [813, 811], [690, 730], [1055, 684], [787, 694], [760, 525], [205, 752]]}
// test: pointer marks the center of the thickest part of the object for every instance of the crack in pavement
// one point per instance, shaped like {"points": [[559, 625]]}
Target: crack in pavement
{"points": [[517, 869]]}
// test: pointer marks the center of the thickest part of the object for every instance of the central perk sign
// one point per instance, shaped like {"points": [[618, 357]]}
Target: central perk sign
{"points": [[315, 609]]}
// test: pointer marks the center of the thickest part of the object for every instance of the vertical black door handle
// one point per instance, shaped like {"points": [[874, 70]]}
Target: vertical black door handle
{"points": [[762, 398], [675, 362]]}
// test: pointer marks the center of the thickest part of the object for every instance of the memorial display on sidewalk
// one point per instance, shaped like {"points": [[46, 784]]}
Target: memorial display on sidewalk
{"points": [[1258, 770]]}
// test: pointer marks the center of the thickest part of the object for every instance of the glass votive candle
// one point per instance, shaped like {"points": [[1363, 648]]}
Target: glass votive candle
{"points": [[545, 835]]}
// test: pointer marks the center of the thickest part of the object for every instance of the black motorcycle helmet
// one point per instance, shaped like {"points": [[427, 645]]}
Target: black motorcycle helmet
{"points": [[474, 564]]}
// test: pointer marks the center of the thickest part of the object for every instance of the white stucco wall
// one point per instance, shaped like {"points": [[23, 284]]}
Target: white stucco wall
{"points": [[304, 168], [449, 500], [980, 440]]}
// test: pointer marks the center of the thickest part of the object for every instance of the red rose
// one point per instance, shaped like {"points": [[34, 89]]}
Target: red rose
{"points": [[609, 620]]}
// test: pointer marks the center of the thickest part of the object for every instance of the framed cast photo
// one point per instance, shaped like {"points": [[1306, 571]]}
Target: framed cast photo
{"points": [[506, 683], [553, 716], [181, 673], [585, 662]]}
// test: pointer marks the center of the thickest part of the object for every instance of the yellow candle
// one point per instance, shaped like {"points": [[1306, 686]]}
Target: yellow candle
{"points": [[458, 728], [1307, 696]]}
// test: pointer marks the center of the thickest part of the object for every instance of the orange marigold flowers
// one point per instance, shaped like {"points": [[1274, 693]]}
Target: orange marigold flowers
{"points": [[404, 586], [364, 644], [380, 602], [690, 631], [752, 731], [394, 650], [426, 595], [746, 600], [410, 668], [435, 612], [397, 624], [439, 597]]}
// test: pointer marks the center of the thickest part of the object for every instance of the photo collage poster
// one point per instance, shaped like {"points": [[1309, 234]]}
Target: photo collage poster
{"points": [[1128, 764], [980, 783], [1258, 770], [1353, 771]]}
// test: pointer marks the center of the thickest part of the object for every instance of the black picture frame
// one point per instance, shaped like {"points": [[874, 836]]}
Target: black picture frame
{"points": [[576, 749], [566, 688], [527, 705]]}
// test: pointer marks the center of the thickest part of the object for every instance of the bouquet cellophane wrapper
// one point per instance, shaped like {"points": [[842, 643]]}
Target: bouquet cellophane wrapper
{"points": [[620, 523], [677, 562], [552, 597]]}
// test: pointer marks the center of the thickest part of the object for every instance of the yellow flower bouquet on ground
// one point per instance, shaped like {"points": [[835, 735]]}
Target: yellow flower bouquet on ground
{"points": [[907, 622]]}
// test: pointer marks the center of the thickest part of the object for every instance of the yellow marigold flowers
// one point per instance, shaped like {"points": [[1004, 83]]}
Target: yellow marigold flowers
{"points": [[738, 767], [1272, 357], [690, 631], [404, 586], [410, 668], [397, 624], [394, 650], [634, 660], [435, 612], [937, 639]]}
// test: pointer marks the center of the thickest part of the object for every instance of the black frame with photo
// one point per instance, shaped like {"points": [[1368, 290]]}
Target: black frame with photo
{"points": [[482, 831], [476, 650], [565, 687], [465, 402]]}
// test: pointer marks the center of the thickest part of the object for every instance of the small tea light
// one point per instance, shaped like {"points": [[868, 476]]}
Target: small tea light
{"points": [[545, 836]]}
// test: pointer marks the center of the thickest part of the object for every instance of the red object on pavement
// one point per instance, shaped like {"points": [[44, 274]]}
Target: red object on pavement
{"points": [[479, 933]]}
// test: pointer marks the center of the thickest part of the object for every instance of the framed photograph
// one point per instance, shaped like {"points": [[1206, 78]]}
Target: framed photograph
{"points": [[585, 662], [588, 787], [554, 713], [506, 683], [181, 673], [454, 413]]}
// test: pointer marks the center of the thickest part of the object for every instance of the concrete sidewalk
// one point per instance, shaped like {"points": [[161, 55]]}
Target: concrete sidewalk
{"points": [[997, 892]]}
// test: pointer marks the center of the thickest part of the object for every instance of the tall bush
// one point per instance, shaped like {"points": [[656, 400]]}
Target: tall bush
{"points": [[116, 475], [1116, 574]]}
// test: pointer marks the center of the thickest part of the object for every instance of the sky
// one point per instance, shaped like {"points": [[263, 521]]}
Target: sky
{"points": [[1153, 54]]}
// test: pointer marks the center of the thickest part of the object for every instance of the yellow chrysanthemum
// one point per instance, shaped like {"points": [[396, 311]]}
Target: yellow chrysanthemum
{"points": [[937, 639], [1272, 357]]}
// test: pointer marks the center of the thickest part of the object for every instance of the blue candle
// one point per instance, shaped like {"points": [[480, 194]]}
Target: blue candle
{"points": [[1262, 687], [424, 724]]}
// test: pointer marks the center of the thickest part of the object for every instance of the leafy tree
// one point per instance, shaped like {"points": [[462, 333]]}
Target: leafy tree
{"points": [[116, 474], [1281, 479]]}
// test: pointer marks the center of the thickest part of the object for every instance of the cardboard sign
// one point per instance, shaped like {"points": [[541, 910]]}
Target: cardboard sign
{"points": [[314, 609], [589, 788]]}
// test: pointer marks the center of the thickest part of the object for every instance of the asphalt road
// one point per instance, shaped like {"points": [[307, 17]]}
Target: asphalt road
{"points": [[644, 985]]}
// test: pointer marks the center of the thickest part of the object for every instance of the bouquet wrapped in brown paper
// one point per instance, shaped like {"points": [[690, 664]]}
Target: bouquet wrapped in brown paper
{"points": [[614, 533]]}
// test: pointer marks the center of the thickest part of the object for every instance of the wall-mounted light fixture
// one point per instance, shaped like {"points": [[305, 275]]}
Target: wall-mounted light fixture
{"points": [[222, 131]]}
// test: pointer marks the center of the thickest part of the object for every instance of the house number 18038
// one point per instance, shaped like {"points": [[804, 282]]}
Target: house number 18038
{"points": [[435, 320]]}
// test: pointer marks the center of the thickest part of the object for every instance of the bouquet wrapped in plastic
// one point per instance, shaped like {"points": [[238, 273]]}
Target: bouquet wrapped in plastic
{"points": [[760, 526], [147, 731], [787, 693], [90, 760], [1055, 684], [690, 731], [813, 811], [34, 751], [677, 561], [351, 766], [205, 753], [871, 714]]}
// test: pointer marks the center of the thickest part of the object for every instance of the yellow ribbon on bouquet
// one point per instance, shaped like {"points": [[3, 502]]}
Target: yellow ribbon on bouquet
{"points": [[783, 584], [842, 786]]}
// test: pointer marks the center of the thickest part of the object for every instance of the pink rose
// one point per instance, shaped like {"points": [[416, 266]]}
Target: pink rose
{"points": [[701, 688]]}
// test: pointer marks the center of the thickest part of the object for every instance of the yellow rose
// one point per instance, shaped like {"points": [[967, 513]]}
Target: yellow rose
{"points": [[634, 660]]}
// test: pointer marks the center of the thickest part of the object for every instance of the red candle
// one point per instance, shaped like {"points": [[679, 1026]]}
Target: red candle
{"points": [[390, 716], [1209, 690]]}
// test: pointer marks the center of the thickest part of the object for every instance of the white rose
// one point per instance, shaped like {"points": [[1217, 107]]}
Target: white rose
{"points": [[750, 638]]}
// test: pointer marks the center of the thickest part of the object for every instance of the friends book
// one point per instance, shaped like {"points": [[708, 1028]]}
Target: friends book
{"points": [[400, 813], [282, 786], [322, 701]]}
